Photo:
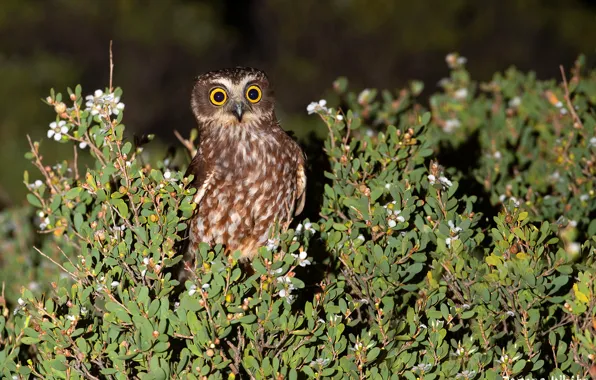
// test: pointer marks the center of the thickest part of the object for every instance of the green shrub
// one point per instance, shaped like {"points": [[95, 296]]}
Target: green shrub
{"points": [[452, 243]]}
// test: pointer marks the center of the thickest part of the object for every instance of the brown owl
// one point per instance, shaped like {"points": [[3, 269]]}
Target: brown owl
{"points": [[248, 172]]}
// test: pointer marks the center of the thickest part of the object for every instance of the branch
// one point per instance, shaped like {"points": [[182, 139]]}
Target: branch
{"points": [[187, 144], [568, 98], [111, 67]]}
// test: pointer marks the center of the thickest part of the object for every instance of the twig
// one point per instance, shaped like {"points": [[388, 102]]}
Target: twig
{"points": [[55, 262], [568, 98], [40, 166], [111, 67], [187, 144], [76, 162]]}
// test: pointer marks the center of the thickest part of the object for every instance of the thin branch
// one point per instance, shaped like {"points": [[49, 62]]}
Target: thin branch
{"points": [[111, 68], [55, 262], [568, 98], [76, 162], [187, 144]]}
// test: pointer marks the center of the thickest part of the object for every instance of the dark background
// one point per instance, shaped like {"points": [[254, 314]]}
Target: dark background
{"points": [[159, 46]]}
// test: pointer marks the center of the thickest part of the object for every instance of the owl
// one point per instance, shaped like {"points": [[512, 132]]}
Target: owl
{"points": [[248, 172]]}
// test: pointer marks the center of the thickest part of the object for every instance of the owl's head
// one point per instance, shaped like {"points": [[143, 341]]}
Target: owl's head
{"points": [[230, 97]]}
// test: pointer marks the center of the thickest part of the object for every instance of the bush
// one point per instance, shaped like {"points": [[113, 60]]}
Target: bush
{"points": [[452, 243]]}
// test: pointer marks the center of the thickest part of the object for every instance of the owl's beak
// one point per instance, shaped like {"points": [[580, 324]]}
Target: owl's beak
{"points": [[238, 111]]}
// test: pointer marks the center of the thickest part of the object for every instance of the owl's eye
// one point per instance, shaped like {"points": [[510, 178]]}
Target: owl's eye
{"points": [[218, 96], [253, 93]]}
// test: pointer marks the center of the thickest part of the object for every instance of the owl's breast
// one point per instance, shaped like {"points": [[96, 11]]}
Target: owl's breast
{"points": [[252, 187]]}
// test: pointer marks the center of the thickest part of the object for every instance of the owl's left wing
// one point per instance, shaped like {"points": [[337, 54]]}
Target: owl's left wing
{"points": [[300, 187]]}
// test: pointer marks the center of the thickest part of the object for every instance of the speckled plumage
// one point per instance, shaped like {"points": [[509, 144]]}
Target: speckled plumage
{"points": [[249, 173]]}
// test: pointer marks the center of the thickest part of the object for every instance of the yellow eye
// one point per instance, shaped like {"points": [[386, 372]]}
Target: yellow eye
{"points": [[253, 93], [218, 96]]}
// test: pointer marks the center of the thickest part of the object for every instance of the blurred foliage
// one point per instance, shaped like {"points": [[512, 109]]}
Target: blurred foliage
{"points": [[160, 46], [414, 268]]}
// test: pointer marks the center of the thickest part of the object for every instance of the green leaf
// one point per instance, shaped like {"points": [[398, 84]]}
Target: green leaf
{"points": [[372, 354], [33, 200], [73, 193]]}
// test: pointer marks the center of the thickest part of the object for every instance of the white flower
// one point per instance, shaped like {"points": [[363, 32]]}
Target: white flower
{"points": [[465, 374], [21, 302], [555, 176], [45, 222], [146, 261], [515, 201], [497, 155], [192, 290], [357, 346], [503, 359], [432, 179], [388, 186], [339, 117], [317, 106], [445, 181], [559, 104], [363, 97], [462, 60], [593, 141], [309, 228], [360, 237], [392, 223], [515, 102], [443, 82], [584, 197], [319, 362], [449, 240], [114, 284], [167, 174], [461, 94], [399, 218], [71, 318], [424, 367], [451, 125], [299, 229], [283, 293], [301, 257], [272, 244], [563, 111], [573, 223], [100, 101], [453, 228], [574, 248], [83, 144], [57, 130], [510, 313], [205, 286], [36, 185]]}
